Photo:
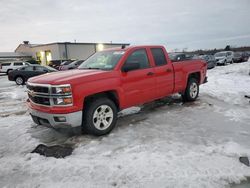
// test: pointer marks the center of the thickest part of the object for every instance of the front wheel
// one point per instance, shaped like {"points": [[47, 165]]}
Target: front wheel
{"points": [[19, 80], [192, 90], [99, 117]]}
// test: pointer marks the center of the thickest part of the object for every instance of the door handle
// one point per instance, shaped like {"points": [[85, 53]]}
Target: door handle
{"points": [[150, 73], [169, 70]]}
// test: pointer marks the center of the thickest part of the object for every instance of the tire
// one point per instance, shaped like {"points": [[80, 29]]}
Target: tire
{"points": [[19, 80], [192, 90], [8, 71], [99, 116]]}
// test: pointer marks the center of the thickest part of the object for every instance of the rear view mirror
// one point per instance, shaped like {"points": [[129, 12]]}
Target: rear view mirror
{"points": [[129, 66]]}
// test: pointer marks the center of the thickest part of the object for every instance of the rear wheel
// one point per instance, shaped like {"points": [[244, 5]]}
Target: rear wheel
{"points": [[192, 90], [99, 117], [19, 80]]}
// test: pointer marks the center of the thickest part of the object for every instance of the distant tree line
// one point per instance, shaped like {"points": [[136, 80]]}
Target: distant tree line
{"points": [[227, 48]]}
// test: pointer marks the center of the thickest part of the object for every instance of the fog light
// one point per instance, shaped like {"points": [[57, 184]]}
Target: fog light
{"points": [[60, 119]]}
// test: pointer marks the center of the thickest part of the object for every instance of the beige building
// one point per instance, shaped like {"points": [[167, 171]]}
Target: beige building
{"points": [[62, 50]]}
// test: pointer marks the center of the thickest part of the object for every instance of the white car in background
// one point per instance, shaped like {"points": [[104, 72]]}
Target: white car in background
{"points": [[6, 67], [224, 57]]}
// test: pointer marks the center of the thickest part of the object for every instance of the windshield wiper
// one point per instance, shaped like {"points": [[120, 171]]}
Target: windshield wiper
{"points": [[90, 68]]}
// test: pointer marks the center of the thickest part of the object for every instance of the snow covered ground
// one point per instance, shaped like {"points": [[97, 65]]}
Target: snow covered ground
{"points": [[165, 144]]}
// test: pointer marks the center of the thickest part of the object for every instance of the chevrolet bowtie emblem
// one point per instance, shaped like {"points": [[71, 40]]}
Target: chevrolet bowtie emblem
{"points": [[32, 93]]}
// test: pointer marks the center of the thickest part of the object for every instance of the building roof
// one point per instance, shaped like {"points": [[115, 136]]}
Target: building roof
{"points": [[72, 43], [13, 55], [77, 43]]}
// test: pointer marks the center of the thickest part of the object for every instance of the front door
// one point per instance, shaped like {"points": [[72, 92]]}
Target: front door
{"points": [[139, 84]]}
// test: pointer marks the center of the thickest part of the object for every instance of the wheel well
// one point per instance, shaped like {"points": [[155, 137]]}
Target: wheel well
{"points": [[18, 76], [195, 75], [112, 95]]}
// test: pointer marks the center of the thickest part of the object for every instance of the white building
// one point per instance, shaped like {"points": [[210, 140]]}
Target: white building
{"points": [[62, 50]]}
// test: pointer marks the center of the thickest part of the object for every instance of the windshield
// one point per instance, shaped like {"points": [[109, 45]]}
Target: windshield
{"points": [[50, 68], [105, 60], [221, 54]]}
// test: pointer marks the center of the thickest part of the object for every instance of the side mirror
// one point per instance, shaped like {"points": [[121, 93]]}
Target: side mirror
{"points": [[130, 66]]}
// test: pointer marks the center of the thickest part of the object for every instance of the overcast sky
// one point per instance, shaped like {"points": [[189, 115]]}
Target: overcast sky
{"points": [[192, 24]]}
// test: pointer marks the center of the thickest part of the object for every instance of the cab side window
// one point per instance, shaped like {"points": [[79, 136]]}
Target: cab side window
{"points": [[29, 68], [159, 56], [39, 68], [18, 64], [140, 57]]}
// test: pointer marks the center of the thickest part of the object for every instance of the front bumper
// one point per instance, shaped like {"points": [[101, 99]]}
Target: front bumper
{"points": [[71, 119], [221, 62]]}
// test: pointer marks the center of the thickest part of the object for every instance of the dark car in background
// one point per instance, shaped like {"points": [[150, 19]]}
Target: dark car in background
{"points": [[175, 57], [238, 57], [22, 74], [245, 56], [71, 65], [210, 60], [56, 64]]}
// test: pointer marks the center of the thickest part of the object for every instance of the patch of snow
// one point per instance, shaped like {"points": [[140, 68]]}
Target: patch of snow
{"points": [[229, 83]]}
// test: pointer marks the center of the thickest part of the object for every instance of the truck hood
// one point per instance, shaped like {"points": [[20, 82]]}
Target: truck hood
{"points": [[70, 76]]}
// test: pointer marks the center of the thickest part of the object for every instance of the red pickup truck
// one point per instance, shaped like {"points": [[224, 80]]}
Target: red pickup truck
{"points": [[107, 82]]}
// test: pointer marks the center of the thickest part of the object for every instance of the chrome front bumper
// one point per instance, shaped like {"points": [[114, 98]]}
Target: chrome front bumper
{"points": [[71, 119]]}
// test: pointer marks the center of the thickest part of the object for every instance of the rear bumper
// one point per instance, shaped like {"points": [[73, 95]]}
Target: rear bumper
{"points": [[71, 119]]}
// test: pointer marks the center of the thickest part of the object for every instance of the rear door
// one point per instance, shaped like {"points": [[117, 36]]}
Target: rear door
{"points": [[138, 85], [163, 73]]}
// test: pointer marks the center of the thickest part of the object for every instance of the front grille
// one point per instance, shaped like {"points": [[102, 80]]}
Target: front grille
{"points": [[44, 94], [43, 100], [39, 94], [38, 89]]}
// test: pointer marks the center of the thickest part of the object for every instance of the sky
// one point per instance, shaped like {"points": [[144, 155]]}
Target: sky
{"points": [[177, 24]]}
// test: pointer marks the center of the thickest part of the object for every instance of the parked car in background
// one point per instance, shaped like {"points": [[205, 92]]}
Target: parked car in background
{"points": [[180, 57], [224, 57], [72, 65], [22, 74], [9, 66], [64, 63], [245, 56], [238, 57], [210, 60], [55, 64]]}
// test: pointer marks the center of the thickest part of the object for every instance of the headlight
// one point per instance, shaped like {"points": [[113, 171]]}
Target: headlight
{"points": [[62, 95], [61, 90], [62, 101]]}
